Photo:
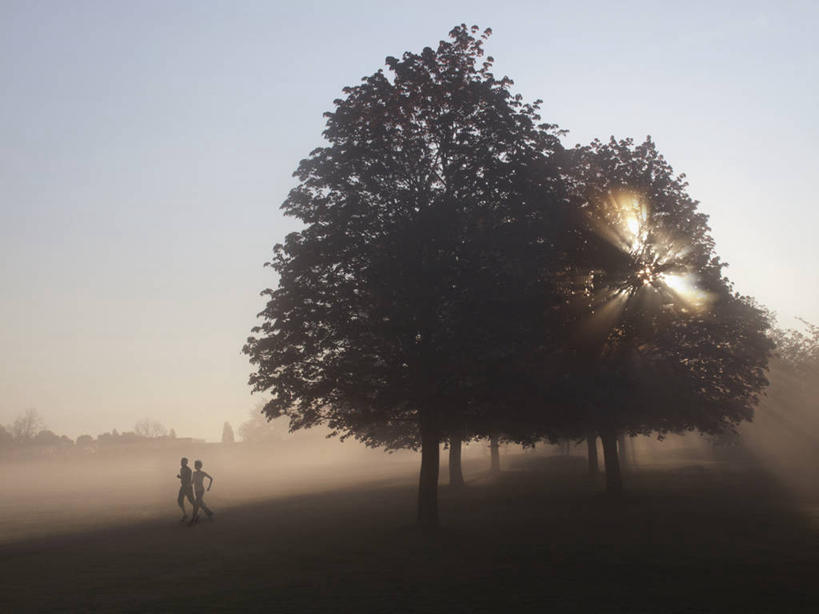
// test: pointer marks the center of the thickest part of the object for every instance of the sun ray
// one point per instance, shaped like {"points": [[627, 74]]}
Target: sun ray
{"points": [[685, 289], [658, 262]]}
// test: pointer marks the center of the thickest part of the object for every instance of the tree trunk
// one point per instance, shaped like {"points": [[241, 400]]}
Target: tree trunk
{"points": [[591, 444], [622, 444], [428, 482], [614, 482], [494, 449], [456, 476]]}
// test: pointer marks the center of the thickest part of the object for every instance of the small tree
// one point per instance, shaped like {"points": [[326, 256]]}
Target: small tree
{"points": [[107, 438], [150, 428], [26, 426], [665, 343], [46, 438], [227, 433]]}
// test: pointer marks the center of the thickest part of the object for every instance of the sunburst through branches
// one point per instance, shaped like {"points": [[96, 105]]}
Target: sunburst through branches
{"points": [[657, 269]]}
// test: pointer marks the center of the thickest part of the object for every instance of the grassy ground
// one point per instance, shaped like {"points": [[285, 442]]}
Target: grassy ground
{"points": [[537, 538]]}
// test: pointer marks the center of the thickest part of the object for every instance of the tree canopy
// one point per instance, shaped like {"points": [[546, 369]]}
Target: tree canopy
{"points": [[459, 273], [662, 343], [429, 218]]}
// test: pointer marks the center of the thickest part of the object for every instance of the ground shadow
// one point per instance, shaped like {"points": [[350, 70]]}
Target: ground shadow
{"points": [[539, 537]]}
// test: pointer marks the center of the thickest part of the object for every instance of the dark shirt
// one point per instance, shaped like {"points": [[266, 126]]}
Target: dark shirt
{"points": [[185, 475]]}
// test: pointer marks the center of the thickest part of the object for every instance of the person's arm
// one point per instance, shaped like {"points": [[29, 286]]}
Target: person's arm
{"points": [[210, 477]]}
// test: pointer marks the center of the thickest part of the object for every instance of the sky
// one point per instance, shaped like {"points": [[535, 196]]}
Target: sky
{"points": [[145, 148]]}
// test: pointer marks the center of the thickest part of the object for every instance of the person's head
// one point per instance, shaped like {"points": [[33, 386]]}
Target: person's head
{"points": [[184, 462], [198, 464]]}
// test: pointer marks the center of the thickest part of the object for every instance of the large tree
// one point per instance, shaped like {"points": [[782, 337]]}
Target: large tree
{"points": [[421, 281], [663, 343]]}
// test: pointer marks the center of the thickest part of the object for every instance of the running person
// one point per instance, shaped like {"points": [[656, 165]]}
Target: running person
{"points": [[186, 488], [199, 488]]}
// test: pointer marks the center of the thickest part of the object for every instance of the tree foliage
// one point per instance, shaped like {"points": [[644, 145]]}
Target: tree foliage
{"points": [[459, 274], [50, 438], [664, 342], [429, 219], [427, 186]]}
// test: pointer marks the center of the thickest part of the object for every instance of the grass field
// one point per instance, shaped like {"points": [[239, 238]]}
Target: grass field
{"points": [[539, 537]]}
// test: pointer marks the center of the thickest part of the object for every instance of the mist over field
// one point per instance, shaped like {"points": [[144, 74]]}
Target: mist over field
{"points": [[63, 491], [67, 491], [322, 525]]}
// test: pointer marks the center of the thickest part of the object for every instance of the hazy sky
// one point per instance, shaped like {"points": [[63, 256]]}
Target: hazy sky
{"points": [[145, 148]]}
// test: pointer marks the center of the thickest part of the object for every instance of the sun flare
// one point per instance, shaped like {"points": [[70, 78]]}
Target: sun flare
{"points": [[658, 262], [633, 225]]}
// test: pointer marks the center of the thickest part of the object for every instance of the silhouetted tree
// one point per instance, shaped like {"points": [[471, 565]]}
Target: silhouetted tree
{"points": [[623, 451], [131, 437], [107, 438], [665, 344], [456, 475], [6, 438], [85, 441], [494, 454], [591, 447], [227, 433], [421, 273], [46, 438], [172, 433], [26, 426]]}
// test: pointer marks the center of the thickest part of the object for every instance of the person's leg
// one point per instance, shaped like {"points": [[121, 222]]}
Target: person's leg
{"points": [[196, 502], [180, 501]]}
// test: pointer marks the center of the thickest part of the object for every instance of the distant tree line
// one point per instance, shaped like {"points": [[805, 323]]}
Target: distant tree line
{"points": [[29, 429], [460, 275]]}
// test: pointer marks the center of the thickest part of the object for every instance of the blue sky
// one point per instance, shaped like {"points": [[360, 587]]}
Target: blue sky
{"points": [[145, 148]]}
